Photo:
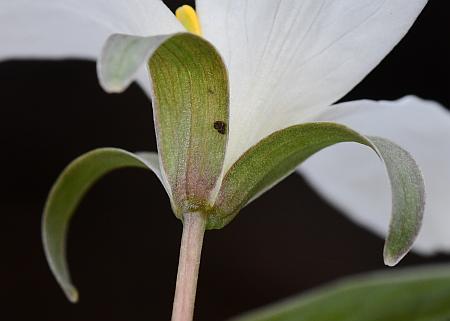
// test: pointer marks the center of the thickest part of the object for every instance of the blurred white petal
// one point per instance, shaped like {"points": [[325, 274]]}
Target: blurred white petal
{"points": [[353, 180], [287, 56], [55, 29]]}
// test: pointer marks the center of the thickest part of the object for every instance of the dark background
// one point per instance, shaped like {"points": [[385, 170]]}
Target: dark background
{"points": [[123, 244]]}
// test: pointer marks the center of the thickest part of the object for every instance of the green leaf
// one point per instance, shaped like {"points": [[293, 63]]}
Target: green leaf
{"points": [[279, 154], [420, 294], [121, 58], [65, 196], [190, 101], [408, 199], [274, 158]]}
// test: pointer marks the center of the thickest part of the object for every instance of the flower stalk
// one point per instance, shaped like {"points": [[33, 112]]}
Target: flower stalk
{"points": [[190, 253]]}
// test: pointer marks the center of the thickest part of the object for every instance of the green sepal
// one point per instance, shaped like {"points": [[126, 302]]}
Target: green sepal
{"points": [[271, 160], [190, 102], [122, 57], [408, 199], [279, 154], [418, 294], [66, 194]]}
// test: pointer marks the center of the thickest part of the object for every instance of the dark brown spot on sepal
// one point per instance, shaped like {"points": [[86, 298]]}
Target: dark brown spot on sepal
{"points": [[221, 127], [210, 91]]}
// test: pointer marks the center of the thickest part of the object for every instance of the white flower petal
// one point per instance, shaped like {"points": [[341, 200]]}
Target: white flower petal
{"points": [[55, 29], [355, 182], [286, 55]]}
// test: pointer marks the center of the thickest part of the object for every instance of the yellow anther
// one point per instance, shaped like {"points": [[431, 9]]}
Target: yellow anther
{"points": [[189, 19]]}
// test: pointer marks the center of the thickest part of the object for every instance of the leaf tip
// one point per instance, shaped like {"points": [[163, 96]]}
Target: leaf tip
{"points": [[391, 258], [109, 81], [72, 294], [390, 261], [112, 86]]}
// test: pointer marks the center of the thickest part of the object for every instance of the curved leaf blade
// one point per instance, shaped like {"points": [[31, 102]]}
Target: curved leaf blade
{"points": [[408, 199], [279, 154], [274, 158], [64, 197], [121, 58], [190, 103], [420, 294]]}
